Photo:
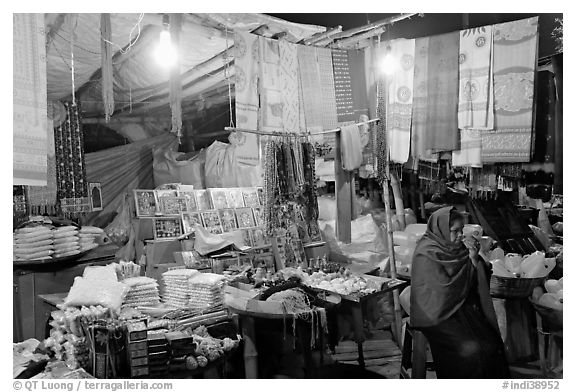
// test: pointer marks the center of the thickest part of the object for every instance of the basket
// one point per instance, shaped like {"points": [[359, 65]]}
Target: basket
{"points": [[501, 287], [553, 317]]}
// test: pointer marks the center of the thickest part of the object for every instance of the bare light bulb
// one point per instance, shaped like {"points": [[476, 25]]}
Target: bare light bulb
{"points": [[166, 54], [389, 64]]}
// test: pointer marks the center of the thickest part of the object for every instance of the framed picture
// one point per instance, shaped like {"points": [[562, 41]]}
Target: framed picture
{"points": [[261, 195], [235, 198], [245, 217], [250, 196], [247, 237], [259, 216], [212, 222], [145, 202], [190, 220], [202, 200], [219, 198], [258, 237], [190, 200], [228, 219], [167, 228], [172, 205], [95, 195]]}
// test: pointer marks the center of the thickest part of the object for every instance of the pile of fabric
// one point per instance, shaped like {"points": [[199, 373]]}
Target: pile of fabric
{"points": [[33, 243], [176, 288], [143, 292], [205, 291], [89, 237]]}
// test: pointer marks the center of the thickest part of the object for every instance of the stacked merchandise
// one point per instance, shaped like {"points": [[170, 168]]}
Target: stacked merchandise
{"points": [[137, 348], [66, 241], [158, 357], [176, 290], [143, 292], [181, 347], [205, 291], [33, 243], [89, 237]]}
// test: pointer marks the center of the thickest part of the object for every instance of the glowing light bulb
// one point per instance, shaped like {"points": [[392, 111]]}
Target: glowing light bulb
{"points": [[389, 64], [166, 54]]}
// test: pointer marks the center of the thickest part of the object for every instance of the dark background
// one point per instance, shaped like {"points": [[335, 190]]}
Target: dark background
{"points": [[429, 24]]}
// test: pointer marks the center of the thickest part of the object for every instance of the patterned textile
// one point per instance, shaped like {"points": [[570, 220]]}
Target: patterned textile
{"points": [[270, 86], [476, 94], [442, 106], [357, 68], [329, 118], [399, 110], [470, 153], [289, 83], [29, 100], [46, 195], [515, 51], [246, 94], [545, 118], [343, 86], [311, 88], [420, 106]]}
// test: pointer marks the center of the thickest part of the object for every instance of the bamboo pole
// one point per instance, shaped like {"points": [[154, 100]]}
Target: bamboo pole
{"points": [[348, 42], [372, 26], [322, 36], [398, 202]]}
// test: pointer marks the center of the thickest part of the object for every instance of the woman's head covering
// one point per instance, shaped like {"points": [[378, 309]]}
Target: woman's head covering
{"points": [[439, 230]]}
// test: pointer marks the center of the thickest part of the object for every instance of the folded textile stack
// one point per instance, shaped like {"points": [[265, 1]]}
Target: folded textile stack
{"points": [[33, 243], [205, 291], [66, 241], [89, 236], [143, 292], [176, 290]]}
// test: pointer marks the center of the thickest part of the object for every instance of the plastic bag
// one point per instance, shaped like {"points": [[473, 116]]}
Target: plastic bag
{"points": [[224, 171], [86, 292], [119, 230], [171, 166]]}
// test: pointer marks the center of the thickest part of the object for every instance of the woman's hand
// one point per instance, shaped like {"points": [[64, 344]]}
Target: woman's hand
{"points": [[473, 246]]}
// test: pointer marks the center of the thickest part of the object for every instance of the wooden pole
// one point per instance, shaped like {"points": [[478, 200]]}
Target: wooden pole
{"points": [[344, 199]]}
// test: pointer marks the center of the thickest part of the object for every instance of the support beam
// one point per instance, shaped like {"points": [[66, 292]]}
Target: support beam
{"points": [[372, 26], [343, 196]]}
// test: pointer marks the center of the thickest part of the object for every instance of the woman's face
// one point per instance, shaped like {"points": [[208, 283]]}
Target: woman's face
{"points": [[456, 233]]}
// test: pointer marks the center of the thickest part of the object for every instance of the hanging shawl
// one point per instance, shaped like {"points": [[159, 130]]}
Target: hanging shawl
{"points": [[420, 106], [442, 104], [246, 57], [270, 87], [328, 102], [311, 89], [351, 147], [107, 71], [289, 83], [470, 153], [442, 276], [399, 110], [515, 57], [175, 77]]}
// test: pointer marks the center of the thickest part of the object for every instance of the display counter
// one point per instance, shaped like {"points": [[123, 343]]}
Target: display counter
{"points": [[30, 312]]}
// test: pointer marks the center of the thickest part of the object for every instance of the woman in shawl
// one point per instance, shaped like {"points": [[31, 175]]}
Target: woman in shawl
{"points": [[451, 304]]}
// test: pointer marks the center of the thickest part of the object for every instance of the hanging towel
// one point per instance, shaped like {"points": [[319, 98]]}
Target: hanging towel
{"points": [[328, 113], [289, 83], [311, 89], [30, 115], [270, 86], [515, 55], [399, 110], [420, 106], [246, 65], [442, 108], [350, 147], [476, 94]]}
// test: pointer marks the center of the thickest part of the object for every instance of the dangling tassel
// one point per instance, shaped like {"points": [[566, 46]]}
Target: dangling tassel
{"points": [[107, 71], [175, 82]]}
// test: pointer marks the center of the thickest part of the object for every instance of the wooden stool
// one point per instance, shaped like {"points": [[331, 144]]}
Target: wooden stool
{"points": [[413, 353]]}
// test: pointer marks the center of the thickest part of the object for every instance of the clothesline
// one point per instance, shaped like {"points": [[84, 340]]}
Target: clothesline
{"points": [[307, 133]]}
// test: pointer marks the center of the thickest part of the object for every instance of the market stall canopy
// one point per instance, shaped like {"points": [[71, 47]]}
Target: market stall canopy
{"points": [[141, 87]]}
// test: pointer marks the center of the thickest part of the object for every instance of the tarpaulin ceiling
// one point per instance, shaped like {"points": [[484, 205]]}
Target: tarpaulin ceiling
{"points": [[140, 84]]}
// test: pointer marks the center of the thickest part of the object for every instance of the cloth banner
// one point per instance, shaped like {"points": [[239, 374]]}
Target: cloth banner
{"points": [[246, 65], [270, 86], [136, 161], [442, 95], [399, 110], [515, 58], [289, 85], [328, 100], [311, 88], [30, 115], [420, 106]]}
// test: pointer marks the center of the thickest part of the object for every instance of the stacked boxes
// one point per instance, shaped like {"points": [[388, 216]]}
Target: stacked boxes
{"points": [[137, 348], [158, 355]]}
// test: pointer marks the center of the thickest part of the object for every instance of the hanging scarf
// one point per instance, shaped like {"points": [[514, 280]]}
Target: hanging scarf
{"points": [[175, 77], [515, 57], [311, 91], [289, 82], [357, 72], [399, 110], [420, 106], [246, 59], [442, 276], [107, 70], [442, 95], [270, 87], [351, 147], [328, 101], [470, 153], [343, 86], [29, 162]]}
